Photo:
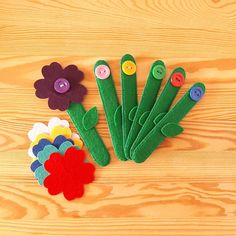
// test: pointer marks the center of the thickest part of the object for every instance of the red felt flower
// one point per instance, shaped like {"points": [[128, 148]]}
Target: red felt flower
{"points": [[68, 173]]}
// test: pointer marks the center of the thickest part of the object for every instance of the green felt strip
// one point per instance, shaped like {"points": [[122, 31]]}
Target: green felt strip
{"points": [[162, 105], [129, 96], [168, 126], [112, 110], [151, 89], [90, 137]]}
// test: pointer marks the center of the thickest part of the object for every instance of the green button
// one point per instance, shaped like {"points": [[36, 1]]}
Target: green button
{"points": [[159, 72]]}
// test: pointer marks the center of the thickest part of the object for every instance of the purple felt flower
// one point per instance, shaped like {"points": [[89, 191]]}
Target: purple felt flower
{"points": [[60, 86]]}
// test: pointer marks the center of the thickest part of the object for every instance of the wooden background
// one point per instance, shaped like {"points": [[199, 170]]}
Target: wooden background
{"points": [[188, 186]]}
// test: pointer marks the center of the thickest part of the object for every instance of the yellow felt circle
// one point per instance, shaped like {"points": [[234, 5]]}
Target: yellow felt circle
{"points": [[59, 130], [129, 67]]}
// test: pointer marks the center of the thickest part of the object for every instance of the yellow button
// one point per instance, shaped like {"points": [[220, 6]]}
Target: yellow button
{"points": [[129, 67]]}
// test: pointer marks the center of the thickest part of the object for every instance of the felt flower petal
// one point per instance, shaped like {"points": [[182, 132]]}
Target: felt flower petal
{"points": [[73, 74], [77, 93], [41, 92], [30, 153], [58, 102], [59, 130], [64, 146], [55, 121], [37, 129], [68, 173], [40, 174], [39, 137], [52, 71], [53, 185], [40, 146], [46, 152]]}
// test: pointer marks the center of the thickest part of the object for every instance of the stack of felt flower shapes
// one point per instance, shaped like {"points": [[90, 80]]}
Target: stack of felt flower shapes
{"points": [[58, 163]]}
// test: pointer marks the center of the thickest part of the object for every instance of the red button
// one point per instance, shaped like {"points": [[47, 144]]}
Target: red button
{"points": [[177, 79]]}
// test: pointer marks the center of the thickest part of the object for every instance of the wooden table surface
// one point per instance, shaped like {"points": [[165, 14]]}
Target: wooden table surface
{"points": [[188, 186]]}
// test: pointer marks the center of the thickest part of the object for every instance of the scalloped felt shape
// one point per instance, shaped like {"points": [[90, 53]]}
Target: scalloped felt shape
{"points": [[46, 152], [44, 142], [34, 165], [68, 173], [40, 174], [55, 121], [39, 137], [40, 146], [38, 128], [59, 130], [90, 118]]}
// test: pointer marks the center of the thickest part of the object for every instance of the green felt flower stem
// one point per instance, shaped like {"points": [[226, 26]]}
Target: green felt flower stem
{"points": [[148, 98], [167, 127], [112, 110], [85, 125], [129, 96], [161, 106]]}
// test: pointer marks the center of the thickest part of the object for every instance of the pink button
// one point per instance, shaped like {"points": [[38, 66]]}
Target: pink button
{"points": [[177, 79], [102, 72]]}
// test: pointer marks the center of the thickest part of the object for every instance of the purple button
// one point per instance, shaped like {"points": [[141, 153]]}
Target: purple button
{"points": [[61, 85], [196, 93]]}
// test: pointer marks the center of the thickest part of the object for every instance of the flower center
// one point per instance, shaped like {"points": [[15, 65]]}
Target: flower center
{"points": [[61, 85]]}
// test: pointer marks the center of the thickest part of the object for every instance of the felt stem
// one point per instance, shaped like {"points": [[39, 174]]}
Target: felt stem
{"points": [[112, 110], [148, 98], [90, 136], [129, 96], [156, 136], [162, 105]]}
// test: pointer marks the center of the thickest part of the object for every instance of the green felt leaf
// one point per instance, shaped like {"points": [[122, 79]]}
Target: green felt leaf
{"points": [[90, 118], [159, 117], [132, 113], [118, 116], [143, 117], [171, 130]]}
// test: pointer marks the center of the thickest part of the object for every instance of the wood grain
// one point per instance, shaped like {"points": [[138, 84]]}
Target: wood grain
{"points": [[188, 186]]}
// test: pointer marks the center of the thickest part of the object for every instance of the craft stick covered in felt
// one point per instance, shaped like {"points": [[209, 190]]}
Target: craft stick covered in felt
{"points": [[111, 106], [169, 124], [85, 123], [64, 91], [129, 92], [155, 77], [161, 106]]}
